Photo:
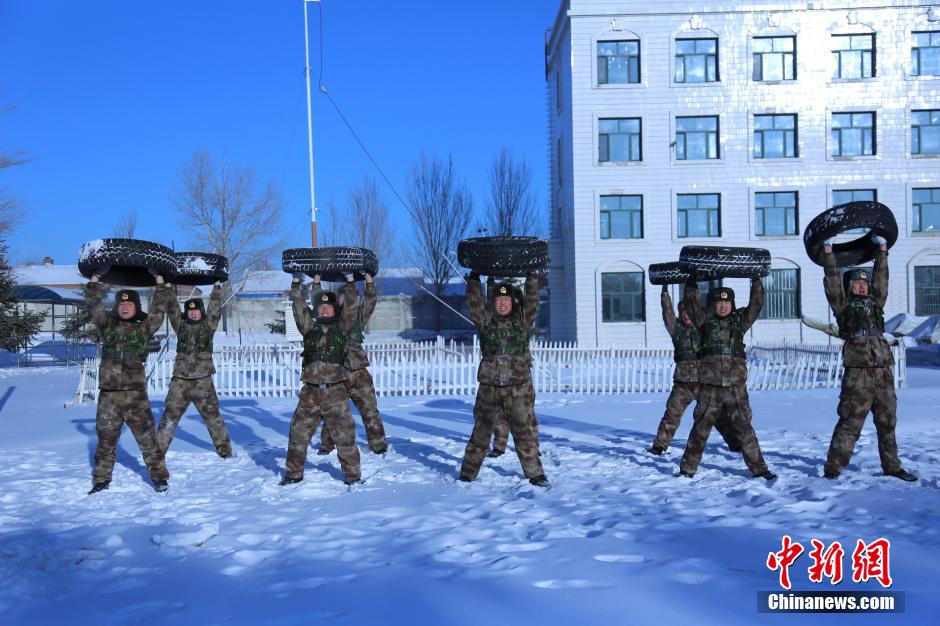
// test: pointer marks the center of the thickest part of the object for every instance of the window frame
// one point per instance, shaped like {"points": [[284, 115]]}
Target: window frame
{"points": [[837, 65], [917, 226], [601, 211], [834, 143], [680, 210], [936, 113], [630, 144], [684, 139], [914, 48], [754, 132], [763, 221], [640, 299], [638, 56], [676, 54], [754, 61], [919, 296], [792, 296]]}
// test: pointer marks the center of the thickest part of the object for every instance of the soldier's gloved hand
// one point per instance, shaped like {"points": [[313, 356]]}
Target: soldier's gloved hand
{"points": [[101, 270], [298, 277], [368, 278], [878, 240], [316, 279], [827, 247], [473, 275], [349, 278], [665, 290]]}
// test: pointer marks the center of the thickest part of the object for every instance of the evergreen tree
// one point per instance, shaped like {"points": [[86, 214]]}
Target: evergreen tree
{"points": [[77, 326], [278, 326], [17, 327]]}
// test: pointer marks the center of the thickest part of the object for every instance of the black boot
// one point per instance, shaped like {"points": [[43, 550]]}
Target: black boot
{"points": [[290, 480], [382, 448], [685, 474], [766, 475], [539, 481], [830, 474], [96, 487], [352, 481], [903, 475], [323, 451], [160, 486], [494, 453], [225, 453], [657, 449]]}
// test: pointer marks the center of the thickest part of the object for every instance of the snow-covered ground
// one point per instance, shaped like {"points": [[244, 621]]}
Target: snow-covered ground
{"points": [[617, 539]]}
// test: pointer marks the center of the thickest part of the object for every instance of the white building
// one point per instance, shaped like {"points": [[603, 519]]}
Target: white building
{"points": [[735, 125]]}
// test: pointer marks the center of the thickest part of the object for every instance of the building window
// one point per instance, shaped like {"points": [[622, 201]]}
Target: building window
{"points": [[775, 213], [927, 290], [925, 132], [774, 58], [699, 214], [560, 154], [853, 134], [843, 196], [618, 62], [774, 136], [621, 217], [622, 296], [925, 54], [704, 287], [926, 203], [781, 295], [696, 138], [696, 60], [619, 140], [853, 56]]}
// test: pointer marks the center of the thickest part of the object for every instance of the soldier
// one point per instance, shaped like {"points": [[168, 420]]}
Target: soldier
{"points": [[723, 374], [505, 378], [501, 428], [192, 373], [868, 381], [359, 383], [126, 333], [323, 396], [687, 342]]}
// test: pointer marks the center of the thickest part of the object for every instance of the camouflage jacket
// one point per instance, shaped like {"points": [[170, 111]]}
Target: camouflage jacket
{"points": [[194, 340], [862, 349], [124, 370], [356, 357], [319, 372], [723, 370], [685, 336], [503, 370]]}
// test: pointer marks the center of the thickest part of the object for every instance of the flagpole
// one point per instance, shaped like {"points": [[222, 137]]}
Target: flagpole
{"points": [[313, 204]]}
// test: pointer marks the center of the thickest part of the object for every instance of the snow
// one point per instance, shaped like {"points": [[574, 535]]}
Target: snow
{"points": [[617, 539], [90, 248], [48, 275], [903, 323], [928, 331], [195, 264]]}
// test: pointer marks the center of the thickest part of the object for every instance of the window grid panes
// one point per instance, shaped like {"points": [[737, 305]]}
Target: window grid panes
{"points": [[925, 53], [843, 196], [774, 58], [696, 60], [853, 56], [704, 287], [927, 290], [619, 140], [621, 217], [853, 134], [622, 297], [618, 62], [775, 136], [699, 214], [775, 213], [926, 204], [696, 138], [925, 132], [781, 295]]}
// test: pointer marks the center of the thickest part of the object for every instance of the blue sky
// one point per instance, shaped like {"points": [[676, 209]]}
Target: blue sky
{"points": [[111, 97]]}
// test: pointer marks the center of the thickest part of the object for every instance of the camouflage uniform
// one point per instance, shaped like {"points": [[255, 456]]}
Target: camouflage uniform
{"points": [[122, 380], [359, 383], [723, 377], [505, 380], [192, 375], [685, 386], [868, 380], [323, 396]]}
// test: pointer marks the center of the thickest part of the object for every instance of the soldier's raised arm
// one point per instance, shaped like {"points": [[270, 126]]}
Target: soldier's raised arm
{"points": [[531, 299], [491, 290], [350, 310], [754, 305], [161, 300], [214, 310], [693, 302], [669, 316], [832, 282], [475, 302], [879, 285], [370, 299], [302, 315], [175, 316], [94, 293]]}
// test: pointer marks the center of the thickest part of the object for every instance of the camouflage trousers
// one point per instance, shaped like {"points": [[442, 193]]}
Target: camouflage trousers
{"points": [[516, 406], [200, 392], [501, 434], [331, 406], [865, 389], [361, 391], [114, 409], [681, 396], [710, 403]]}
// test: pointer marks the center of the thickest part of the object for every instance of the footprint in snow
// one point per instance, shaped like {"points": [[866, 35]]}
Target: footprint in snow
{"points": [[576, 583], [621, 558], [522, 547]]}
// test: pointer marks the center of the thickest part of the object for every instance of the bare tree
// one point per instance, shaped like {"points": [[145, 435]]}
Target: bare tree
{"points": [[368, 220], [11, 209], [227, 212], [441, 208], [127, 225], [511, 208]]}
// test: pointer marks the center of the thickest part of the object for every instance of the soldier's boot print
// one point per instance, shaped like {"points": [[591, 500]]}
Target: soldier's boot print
{"points": [[361, 390], [680, 398], [500, 437], [485, 412], [206, 401], [304, 422], [706, 413], [524, 427], [139, 418], [339, 420], [108, 423], [174, 406]]}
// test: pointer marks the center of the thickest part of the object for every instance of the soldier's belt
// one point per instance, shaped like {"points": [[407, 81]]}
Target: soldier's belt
{"points": [[325, 385], [118, 355], [722, 352]]}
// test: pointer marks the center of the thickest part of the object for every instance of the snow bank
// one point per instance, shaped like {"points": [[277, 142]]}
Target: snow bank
{"points": [[903, 323]]}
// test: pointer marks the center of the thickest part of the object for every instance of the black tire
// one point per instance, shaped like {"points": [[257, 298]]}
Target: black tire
{"points": [[200, 268], [332, 264], [503, 256], [667, 274], [129, 260], [713, 262], [876, 217]]}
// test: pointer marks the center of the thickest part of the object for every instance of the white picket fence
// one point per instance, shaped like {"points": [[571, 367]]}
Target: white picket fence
{"points": [[446, 368]]}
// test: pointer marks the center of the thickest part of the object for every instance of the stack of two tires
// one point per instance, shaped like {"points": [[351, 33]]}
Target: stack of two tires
{"points": [[129, 261], [504, 257], [332, 264], [712, 263]]}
